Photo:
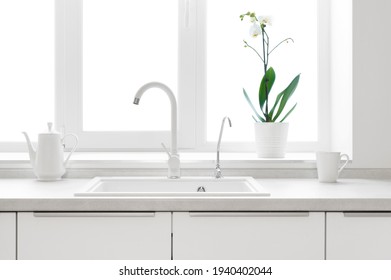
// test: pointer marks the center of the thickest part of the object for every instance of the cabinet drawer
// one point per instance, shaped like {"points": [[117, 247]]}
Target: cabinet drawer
{"points": [[356, 236], [7, 236], [94, 235], [251, 235]]}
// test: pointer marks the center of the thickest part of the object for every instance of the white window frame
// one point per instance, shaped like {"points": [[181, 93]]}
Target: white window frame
{"points": [[69, 98], [324, 79], [191, 94]]}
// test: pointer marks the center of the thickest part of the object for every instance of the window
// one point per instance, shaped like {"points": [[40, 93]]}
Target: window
{"points": [[226, 67], [108, 61], [230, 67], [26, 69], [120, 54], [106, 49]]}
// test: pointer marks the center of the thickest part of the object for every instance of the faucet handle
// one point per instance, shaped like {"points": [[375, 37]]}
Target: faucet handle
{"points": [[218, 174], [166, 150], [174, 164]]}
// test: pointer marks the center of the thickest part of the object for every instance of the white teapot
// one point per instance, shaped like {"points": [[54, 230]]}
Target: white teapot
{"points": [[48, 160]]}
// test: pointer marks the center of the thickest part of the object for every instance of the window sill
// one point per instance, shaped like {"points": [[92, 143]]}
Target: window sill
{"points": [[88, 165], [121, 160]]}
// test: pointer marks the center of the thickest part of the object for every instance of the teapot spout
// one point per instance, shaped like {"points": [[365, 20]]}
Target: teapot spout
{"points": [[31, 149]]}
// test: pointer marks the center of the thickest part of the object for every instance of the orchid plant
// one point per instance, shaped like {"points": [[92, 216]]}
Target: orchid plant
{"points": [[268, 113]]}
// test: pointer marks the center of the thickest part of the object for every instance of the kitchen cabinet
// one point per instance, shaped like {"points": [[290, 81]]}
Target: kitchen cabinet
{"points": [[355, 236], [195, 235], [94, 235], [248, 235], [7, 236]]}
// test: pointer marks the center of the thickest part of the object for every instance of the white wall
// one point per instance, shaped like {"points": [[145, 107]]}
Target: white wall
{"points": [[371, 83]]}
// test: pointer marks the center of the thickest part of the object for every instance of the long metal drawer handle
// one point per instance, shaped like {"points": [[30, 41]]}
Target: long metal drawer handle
{"points": [[366, 214], [92, 214], [249, 214]]}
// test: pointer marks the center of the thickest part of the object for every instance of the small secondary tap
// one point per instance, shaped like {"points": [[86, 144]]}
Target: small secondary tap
{"points": [[218, 173]]}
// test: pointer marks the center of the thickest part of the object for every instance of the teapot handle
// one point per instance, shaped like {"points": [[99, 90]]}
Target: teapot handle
{"points": [[74, 147]]}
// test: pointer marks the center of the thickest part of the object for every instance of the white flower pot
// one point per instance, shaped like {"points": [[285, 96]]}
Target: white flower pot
{"points": [[270, 139]]}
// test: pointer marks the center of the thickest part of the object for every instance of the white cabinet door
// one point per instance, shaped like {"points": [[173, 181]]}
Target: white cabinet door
{"points": [[7, 236], [94, 235], [358, 236], [252, 235]]}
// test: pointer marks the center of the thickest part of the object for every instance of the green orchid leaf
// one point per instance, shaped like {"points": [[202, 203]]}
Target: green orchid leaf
{"points": [[267, 82], [252, 106], [286, 94], [261, 119], [278, 98], [290, 111]]}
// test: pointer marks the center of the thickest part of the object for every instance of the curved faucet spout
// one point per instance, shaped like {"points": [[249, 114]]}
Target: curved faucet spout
{"points": [[221, 131], [218, 169], [32, 152], [173, 162], [168, 91]]}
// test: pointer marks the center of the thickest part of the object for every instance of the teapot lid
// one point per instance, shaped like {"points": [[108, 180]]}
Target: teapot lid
{"points": [[50, 129]]}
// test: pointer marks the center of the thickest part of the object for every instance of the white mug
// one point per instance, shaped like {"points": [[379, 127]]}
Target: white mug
{"points": [[328, 165]]}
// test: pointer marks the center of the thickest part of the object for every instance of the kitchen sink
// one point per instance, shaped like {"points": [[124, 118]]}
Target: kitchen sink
{"points": [[164, 187]]}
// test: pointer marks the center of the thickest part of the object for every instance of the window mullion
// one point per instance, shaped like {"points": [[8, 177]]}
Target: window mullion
{"points": [[187, 72], [69, 66], [201, 75]]}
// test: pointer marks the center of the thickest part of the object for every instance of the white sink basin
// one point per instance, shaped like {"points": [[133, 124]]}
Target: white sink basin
{"points": [[158, 186]]}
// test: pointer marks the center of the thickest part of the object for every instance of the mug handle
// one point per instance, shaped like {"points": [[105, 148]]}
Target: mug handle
{"points": [[345, 163], [74, 147]]}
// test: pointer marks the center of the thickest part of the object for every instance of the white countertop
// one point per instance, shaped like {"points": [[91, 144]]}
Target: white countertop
{"points": [[286, 195]]}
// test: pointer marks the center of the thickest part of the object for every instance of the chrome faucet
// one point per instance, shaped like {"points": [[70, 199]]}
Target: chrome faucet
{"points": [[174, 164], [218, 169]]}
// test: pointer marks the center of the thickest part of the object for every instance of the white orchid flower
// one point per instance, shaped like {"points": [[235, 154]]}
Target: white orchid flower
{"points": [[265, 20], [255, 30]]}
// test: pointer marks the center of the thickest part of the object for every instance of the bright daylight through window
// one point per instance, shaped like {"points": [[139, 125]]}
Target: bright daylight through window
{"points": [[26, 68], [120, 54], [231, 67], [83, 61]]}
